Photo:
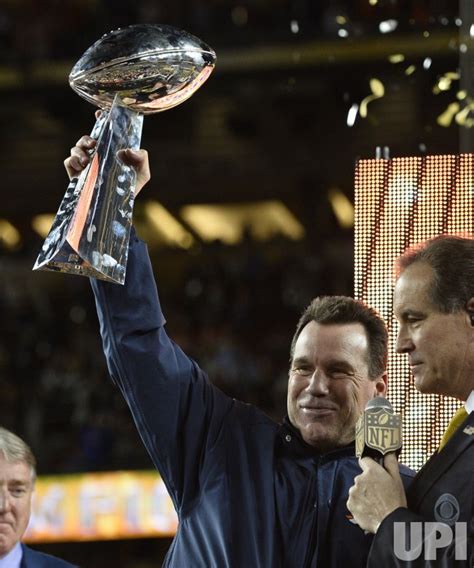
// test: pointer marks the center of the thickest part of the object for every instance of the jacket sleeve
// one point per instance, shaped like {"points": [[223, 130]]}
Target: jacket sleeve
{"points": [[178, 413], [392, 546]]}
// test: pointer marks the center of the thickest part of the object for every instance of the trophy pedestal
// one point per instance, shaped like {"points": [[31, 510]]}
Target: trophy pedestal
{"points": [[91, 230]]}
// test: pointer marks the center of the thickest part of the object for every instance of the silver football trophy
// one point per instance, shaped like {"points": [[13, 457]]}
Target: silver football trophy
{"points": [[129, 72]]}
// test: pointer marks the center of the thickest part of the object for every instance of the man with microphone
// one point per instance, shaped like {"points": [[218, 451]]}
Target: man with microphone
{"points": [[432, 525]]}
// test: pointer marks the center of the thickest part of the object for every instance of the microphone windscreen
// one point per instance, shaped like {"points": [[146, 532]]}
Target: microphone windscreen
{"points": [[378, 430]]}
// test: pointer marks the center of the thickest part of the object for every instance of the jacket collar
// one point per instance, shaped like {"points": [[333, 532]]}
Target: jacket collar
{"points": [[292, 444]]}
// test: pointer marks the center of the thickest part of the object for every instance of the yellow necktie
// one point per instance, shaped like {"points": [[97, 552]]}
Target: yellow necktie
{"points": [[456, 421]]}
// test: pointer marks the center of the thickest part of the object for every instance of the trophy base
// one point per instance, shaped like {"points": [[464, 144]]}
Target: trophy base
{"points": [[91, 230], [69, 262]]}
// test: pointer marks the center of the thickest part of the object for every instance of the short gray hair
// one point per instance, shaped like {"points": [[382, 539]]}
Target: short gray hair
{"points": [[16, 450]]}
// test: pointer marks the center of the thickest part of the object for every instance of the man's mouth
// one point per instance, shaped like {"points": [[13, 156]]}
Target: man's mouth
{"points": [[415, 365], [5, 524], [317, 411]]}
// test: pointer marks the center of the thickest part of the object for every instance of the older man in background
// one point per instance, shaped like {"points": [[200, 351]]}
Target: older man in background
{"points": [[17, 482]]}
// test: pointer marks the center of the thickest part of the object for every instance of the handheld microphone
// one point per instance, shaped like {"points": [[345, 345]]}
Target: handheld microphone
{"points": [[378, 430]]}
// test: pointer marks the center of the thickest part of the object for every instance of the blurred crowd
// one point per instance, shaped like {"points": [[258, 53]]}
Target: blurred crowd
{"points": [[233, 309]]}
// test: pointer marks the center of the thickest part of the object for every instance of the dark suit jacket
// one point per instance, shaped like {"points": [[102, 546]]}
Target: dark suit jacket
{"points": [[34, 559], [443, 491]]}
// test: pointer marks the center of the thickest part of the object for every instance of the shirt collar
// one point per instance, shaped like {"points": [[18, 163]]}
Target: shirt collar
{"points": [[13, 558], [470, 403]]}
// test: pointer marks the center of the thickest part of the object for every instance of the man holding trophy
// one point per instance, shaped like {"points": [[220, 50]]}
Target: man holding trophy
{"points": [[248, 491]]}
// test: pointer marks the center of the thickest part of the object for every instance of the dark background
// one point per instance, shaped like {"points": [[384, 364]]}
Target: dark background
{"points": [[270, 123]]}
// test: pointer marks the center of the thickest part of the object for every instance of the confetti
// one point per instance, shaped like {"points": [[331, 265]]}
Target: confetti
{"points": [[462, 117], [427, 62], [352, 114], [396, 58], [410, 70], [388, 26], [378, 91], [445, 118]]}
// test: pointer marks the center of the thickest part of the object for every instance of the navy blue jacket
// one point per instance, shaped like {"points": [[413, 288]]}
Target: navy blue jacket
{"points": [[249, 492], [34, 559]]}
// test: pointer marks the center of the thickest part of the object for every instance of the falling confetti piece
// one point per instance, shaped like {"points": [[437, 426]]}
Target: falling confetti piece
{"points": [[377, 87], [341, 20], [461, 95], [352, 114], [388, 26], [294, 26], [445, 82], [373, 2], [462, 117], [445, 118], [343, 33], [396, 58], [427, 62], [410, 70], [378, 91]]}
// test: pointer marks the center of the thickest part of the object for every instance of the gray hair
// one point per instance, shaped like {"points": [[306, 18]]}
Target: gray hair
{"points": [[16, 450]]}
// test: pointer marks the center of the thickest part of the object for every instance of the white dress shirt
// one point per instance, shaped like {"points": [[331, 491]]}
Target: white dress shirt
{"points": [[470, 403], [13, 558]]}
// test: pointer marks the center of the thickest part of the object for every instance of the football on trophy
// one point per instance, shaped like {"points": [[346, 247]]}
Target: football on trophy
{"points": [[151, 67]]}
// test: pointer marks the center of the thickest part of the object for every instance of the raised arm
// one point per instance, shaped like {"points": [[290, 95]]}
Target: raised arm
{"points": [[178, 413]]}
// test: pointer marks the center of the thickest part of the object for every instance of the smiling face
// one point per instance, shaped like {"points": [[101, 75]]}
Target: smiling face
{"points": [[440, 346], [329, 384], [16, 489]]}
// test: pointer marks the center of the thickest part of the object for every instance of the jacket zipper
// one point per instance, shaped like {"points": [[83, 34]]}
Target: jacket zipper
{"points": [[312, 543]]}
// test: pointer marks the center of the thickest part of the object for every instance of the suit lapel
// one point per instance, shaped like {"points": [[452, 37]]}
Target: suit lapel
{"points": [[438, 464]]}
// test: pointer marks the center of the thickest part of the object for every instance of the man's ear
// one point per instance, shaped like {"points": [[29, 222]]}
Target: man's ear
{"points": [[470, 310], [381, 385]]}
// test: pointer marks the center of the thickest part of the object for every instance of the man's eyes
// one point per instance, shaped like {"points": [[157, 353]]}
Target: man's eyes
{"points": [[18, 491], [336, 373], [301, 370]]}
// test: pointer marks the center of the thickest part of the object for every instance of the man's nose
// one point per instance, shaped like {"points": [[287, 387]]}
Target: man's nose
{"points": [[318, 384], [5, 504], [404, 342]]}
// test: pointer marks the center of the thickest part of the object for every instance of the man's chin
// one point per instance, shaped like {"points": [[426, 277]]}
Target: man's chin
{"points": [[321, 441], [424, 385]]}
